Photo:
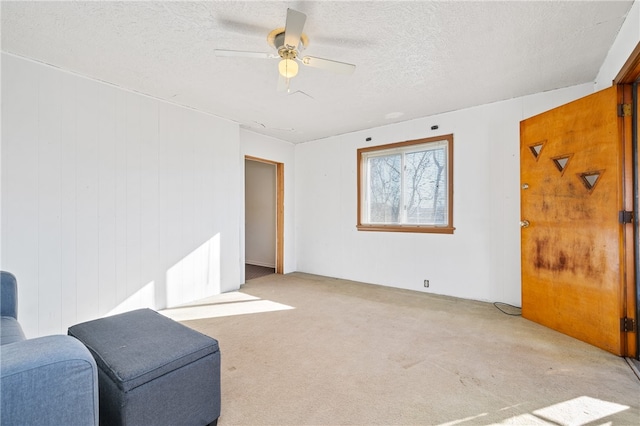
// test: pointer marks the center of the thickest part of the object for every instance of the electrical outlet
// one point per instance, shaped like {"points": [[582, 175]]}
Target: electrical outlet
{"points": [[426, 283]]}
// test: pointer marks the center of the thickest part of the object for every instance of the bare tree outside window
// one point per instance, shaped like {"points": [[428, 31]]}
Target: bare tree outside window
{"points": [[425, 187], [384, 189], [406, 186]]}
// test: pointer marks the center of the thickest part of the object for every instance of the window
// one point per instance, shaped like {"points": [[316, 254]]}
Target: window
{"points": [[407, 186]]}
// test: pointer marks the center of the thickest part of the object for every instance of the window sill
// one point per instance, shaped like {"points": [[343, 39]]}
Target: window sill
{"points": [[407, 228]]}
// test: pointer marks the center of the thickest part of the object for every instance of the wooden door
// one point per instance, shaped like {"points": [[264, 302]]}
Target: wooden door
{"points": [[574, 264]]}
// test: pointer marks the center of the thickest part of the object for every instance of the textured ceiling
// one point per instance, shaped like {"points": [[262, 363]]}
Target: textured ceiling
{"points": [[413, 59]]}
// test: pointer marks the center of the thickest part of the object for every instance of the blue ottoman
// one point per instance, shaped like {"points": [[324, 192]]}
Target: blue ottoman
{"points": [[152, 370]]}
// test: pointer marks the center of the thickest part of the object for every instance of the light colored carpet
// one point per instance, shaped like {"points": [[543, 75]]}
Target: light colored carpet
{"points": [[335, 352]]}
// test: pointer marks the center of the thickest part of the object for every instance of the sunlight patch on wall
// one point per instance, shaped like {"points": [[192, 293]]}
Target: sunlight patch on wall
{"points": [[143, 298], [196, 276]]}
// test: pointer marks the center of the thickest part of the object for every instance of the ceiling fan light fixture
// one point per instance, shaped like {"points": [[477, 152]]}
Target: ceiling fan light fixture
{"points": [[288, 68]]}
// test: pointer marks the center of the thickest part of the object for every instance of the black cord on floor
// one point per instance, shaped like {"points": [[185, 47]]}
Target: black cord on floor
{"points": [[634, 364], [505, 312]]}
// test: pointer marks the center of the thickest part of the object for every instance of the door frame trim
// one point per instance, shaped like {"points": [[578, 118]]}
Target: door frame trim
{"points": [[627, 79], [279, 209]]}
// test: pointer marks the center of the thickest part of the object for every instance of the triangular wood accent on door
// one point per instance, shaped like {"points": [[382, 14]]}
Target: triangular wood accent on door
{"points": [[562, 162], [590, 179], [536, 149]]}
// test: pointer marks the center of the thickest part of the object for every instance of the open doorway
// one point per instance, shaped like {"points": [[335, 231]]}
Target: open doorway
{"points": [[264, 190]]}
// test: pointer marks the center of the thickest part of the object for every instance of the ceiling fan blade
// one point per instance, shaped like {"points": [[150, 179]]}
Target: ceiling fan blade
{"points": [[329, 65], [241, 54], [293, 28]]}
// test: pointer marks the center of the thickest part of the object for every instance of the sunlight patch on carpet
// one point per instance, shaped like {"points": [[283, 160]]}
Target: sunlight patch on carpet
{"points": [[465, 420], [223, 305], [579, 411]]}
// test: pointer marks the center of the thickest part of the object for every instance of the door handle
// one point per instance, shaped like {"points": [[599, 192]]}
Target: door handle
{"points": [[524, 223]]}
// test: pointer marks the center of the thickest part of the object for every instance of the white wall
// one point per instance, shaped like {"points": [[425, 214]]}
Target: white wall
{"points": [[481, 260], [260, 213], [272, 149], [627, 39], [112, 200]]}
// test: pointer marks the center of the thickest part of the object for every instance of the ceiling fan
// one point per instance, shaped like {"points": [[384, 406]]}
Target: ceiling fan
{"points": [[288, 43]]}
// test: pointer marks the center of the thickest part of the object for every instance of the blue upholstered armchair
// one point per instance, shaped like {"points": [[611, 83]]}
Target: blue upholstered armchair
{"points": [[50, 380]]}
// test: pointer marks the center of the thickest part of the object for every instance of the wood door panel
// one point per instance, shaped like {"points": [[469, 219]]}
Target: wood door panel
{"points": [[572, 251]]}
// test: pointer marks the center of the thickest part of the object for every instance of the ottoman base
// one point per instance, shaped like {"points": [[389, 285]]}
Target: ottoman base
{"points": [[152, 370], [177, 398]]}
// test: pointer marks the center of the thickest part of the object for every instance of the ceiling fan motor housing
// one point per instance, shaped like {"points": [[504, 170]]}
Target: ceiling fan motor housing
{"points": [[276, 40]]}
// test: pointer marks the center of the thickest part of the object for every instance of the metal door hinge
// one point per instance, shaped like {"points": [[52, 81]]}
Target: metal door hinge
{"points": [[625, 216], [628, 325], [624, 110]]}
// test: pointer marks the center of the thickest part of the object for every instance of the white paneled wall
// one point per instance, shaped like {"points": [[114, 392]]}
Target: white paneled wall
{"points": [[112, 200]]}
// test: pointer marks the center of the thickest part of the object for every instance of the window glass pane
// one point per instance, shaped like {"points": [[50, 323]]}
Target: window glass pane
{"points": [[426, 187], [384, 188]]}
